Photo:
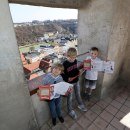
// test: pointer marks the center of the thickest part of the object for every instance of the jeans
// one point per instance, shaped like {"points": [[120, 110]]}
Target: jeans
{"points": [[55, 107], [77, 95]]}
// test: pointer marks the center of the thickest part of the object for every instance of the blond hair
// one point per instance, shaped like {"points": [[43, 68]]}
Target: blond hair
{"points": [[72, 52], [57, 65]]}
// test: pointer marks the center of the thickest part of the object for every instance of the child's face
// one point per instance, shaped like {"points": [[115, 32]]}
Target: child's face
{"points": [[94, 54], [56, 71], [71, 58]]}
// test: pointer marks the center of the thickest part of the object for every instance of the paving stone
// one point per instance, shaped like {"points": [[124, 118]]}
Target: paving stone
{"points": [[102, 104], [124, 95], [110, 127], [106, 116], [116, 123], [119, 99], [94, 100], [116, 104], [59, 127], [84, 122], [127, 103], [68, 121], [100, 123], [89, 104], [91, 115], [97, 109], [111, 109], [64, 112], [75, 126], [120, 115], [125, 109], [107, 100], [126, 128], [93, 127], [45, 127], [64, 102], [128, 98]]}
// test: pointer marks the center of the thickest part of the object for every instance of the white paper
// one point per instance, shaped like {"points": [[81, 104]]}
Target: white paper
{"points": [[97, 65], [106, 66], [61, 87]]}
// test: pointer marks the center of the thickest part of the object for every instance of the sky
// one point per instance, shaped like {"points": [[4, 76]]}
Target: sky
{"points": [[26, 13]]}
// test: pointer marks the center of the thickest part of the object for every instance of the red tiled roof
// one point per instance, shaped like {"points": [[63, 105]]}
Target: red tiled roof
{"points": [[33, 66], [32, 76], [23, 59]]}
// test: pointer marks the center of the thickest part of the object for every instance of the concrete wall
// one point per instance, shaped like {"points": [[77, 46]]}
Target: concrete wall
{"points": [[16, 111], [117, 44], [41, 109], [52, 3], [125, 71], [104, 24]]}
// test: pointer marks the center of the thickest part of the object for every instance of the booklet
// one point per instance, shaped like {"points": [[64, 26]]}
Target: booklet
{"points": [[108, 66], [87, 64], [105, 66], [48, 92], [62, 87], [45, 92]]}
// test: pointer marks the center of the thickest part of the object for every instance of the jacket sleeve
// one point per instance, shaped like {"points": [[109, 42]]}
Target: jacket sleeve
{"points": [[65, 77], [64, 74], [45, 80]]}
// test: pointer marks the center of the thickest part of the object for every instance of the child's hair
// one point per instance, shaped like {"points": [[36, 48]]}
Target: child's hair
{"points": [[94, 49], [57, 65], [72, 52]]}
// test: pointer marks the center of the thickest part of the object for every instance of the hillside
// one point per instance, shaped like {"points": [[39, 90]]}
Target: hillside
{"points": [[29, 33]]}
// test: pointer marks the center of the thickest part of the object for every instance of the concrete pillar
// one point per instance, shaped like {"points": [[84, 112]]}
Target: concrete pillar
{"points": [[104, 24], [16, 111], [125, 70]]}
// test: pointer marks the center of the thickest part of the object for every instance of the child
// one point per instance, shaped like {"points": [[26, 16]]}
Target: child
{"points": [[91, 76], [55, 104], [71, 75]]}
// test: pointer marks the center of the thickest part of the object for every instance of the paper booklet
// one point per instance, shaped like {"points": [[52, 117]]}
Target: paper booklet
{"points": [[62, 87], [48, 92], [45, 92], [105, 66]]}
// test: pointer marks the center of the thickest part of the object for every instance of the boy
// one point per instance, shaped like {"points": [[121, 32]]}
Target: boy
{"points": [[91, 76], [71, 75], [55, 104]]}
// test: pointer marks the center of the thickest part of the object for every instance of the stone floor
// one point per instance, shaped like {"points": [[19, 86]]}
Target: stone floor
{"points": [[101, 115]]}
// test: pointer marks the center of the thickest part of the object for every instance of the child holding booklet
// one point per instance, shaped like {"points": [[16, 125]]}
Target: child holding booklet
{"points": [[91, 75], [55, 104], [71, 75]]}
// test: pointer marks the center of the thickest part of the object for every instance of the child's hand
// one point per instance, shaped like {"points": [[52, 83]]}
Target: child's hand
{"points": [[71, 79], [107, 60], [70, 90]]}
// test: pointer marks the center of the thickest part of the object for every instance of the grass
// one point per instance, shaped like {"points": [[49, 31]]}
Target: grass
{"points": [[26, 48]]}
